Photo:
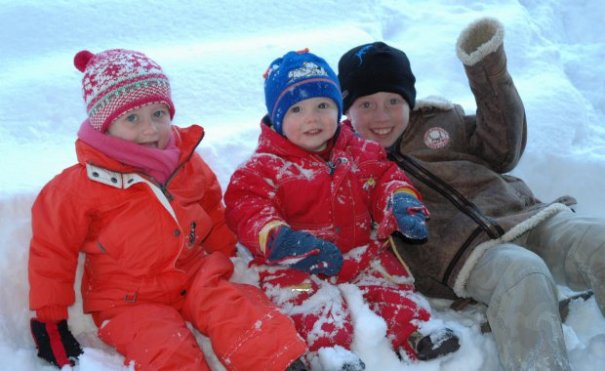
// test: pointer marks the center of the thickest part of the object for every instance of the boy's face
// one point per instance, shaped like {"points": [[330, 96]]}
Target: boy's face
{"points": [[311, 123], [148, 126], [381, 117]]}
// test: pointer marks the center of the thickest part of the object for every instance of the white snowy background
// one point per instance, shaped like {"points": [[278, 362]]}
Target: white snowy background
{"points": [[215, 52]]}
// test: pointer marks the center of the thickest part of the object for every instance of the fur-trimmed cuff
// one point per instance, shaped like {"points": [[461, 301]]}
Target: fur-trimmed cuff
{"points": [[478, 39]]}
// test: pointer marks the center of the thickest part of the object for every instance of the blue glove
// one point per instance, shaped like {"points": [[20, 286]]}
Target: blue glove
{"points": [[303, 251], [411, 215]]}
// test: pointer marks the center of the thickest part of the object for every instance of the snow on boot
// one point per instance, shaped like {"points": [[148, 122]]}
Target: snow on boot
{"points": [[298, 365], [356, 365], [337, 358], [436, 344]]}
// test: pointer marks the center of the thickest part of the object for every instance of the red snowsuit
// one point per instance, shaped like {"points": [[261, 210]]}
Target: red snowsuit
{"points": [[156, 256], [339, 201]]}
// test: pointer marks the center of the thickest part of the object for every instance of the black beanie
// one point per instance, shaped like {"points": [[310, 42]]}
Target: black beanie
{"points": [[375, 67]]}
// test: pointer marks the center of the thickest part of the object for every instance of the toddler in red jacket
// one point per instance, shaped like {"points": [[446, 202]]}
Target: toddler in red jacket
{"points": [[147, 213], [316, 205]]}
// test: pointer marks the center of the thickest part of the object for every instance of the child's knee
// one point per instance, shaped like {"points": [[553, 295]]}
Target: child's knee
{"points": [[505, 268], [525, 271], [527, 263]]}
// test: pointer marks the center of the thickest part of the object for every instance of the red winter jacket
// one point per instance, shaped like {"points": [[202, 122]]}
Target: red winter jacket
{"points": [[142, 242], [336, 200]]}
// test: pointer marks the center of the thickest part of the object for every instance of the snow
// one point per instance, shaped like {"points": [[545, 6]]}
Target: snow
{"points": [[215, 53]]}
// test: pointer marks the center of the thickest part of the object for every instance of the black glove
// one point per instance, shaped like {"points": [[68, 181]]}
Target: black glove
{"points": [[303, 251], [55, 342]]}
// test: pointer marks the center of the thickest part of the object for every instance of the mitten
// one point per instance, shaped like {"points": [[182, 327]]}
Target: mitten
{"points": [[303, 251], [411, 215], [55, 342]]}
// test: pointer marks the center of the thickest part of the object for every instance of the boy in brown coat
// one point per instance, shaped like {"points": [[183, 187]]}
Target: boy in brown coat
{"points": [[490, 238]]}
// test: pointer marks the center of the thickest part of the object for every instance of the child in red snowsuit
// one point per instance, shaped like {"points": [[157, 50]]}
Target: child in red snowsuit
{"points": [[146, 211], [316, 204]]}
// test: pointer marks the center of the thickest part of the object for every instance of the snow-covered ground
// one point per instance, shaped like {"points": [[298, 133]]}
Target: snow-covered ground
{"points": [[215, 53]]}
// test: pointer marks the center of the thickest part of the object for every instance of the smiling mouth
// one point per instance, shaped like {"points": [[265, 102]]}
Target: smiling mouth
{"points": [[313, 132], [381, 131]]}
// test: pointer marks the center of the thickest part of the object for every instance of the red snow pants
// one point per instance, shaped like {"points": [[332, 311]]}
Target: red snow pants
{"points": [[246, 330], [321, 314]]}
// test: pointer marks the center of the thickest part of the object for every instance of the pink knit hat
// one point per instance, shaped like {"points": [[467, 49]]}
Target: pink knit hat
{"points": [[116, 81]]}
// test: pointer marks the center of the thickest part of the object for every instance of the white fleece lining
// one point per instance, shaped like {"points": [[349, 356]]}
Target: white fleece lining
{"points": [[471, 31], [125, 181], [516, 231]]}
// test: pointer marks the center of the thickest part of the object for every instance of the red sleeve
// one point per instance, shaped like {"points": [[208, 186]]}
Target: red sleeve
{"points": [[60, 223], [251, 200]]}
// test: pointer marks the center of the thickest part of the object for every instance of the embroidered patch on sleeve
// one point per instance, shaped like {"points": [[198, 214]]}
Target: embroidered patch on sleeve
{"points": [[436, 138]]}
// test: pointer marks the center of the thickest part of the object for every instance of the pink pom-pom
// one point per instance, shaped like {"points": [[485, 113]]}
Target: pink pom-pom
{"points": [[81, 59]]}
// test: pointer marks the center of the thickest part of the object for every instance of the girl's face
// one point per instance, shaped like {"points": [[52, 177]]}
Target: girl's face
{"points": [[148, 126], [381, 117], [311, 123]]}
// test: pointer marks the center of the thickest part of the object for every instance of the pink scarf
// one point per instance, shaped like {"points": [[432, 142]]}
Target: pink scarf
{"points": [[159, 163]]}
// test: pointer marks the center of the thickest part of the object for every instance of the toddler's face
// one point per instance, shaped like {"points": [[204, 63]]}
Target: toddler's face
{"points": [[311, 123], [148, 125], [381, 117]]}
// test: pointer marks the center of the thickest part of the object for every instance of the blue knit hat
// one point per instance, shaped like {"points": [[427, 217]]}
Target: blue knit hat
{"points": [[295, 77]]}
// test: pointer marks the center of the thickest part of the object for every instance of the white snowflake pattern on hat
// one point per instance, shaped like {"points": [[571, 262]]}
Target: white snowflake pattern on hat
{"points": [[308, 69]]}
